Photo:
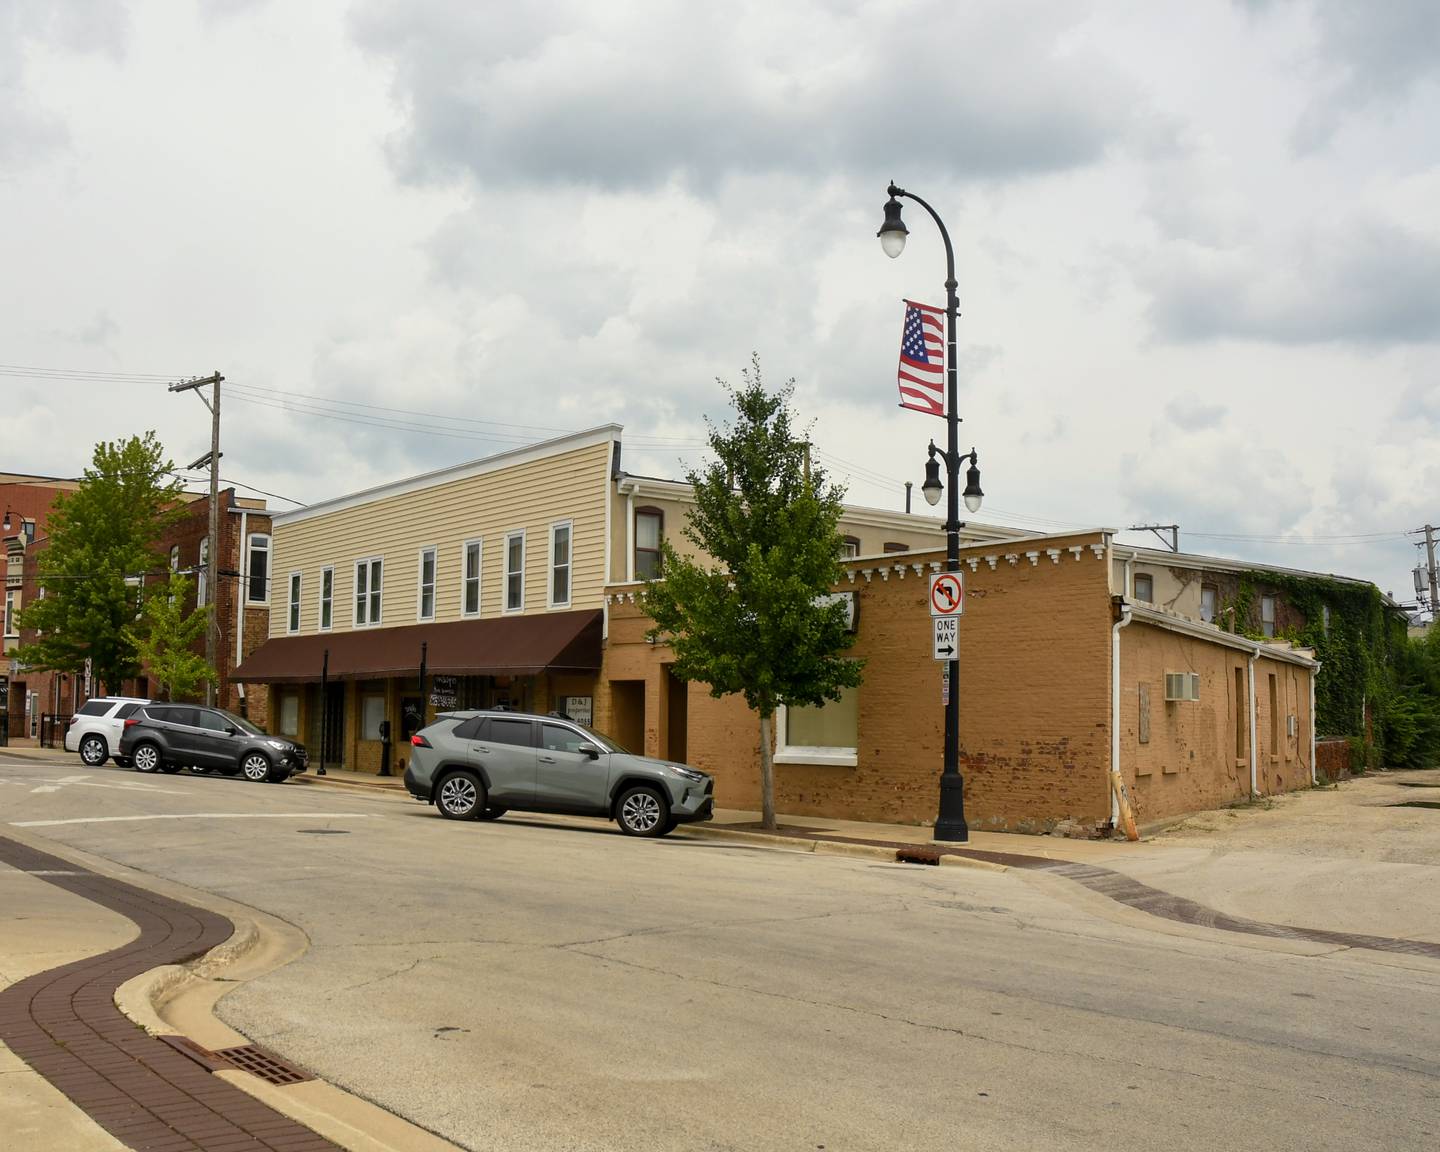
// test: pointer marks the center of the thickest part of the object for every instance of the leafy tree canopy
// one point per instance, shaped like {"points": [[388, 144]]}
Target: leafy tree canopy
{"points": [[748, 615], [100, 535], [166, 636]]}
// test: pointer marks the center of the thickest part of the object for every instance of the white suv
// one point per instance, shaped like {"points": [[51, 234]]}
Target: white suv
{"points": [[94, 731]]}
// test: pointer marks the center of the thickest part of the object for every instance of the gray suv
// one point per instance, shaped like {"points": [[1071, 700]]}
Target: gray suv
{"points": [[480, 765]]}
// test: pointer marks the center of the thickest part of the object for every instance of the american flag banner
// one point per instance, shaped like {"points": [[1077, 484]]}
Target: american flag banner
{"points": [[922, 359]]}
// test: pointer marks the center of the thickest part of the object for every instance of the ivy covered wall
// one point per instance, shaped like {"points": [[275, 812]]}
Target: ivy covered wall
{"points": [[1360, 643]]}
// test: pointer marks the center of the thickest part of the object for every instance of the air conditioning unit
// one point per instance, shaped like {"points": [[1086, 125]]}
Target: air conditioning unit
{"points": [[1182, 686]]}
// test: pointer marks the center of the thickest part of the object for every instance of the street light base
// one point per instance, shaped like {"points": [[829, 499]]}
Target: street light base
{"points": [[951, 824]]}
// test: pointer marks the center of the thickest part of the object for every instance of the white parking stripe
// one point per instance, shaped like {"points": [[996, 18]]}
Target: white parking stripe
{"points": [[197, 816]]}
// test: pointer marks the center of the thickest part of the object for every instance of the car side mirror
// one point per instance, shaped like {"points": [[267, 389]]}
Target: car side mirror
{"points": [[231, 730], [589, 750]]}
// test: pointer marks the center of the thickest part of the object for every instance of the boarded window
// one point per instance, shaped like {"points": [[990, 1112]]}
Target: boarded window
{"points": [[1144, 723]]}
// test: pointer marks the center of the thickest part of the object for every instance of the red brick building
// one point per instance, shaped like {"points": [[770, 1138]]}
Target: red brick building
{"points": [[242, 607]]}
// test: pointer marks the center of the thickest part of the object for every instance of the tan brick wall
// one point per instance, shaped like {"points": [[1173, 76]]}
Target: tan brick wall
{"points": [[1034, 703], [1190, 762]]}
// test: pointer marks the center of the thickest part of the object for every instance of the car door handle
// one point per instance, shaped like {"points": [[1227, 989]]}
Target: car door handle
{"points": [[547, 759], [479, 748]]}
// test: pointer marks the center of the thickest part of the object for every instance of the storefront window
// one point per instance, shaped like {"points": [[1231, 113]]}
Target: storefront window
{"points": [[828, 734]]}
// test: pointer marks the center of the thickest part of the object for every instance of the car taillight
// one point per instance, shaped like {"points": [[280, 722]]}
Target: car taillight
{"points": [[420, 742], [130, 720]]}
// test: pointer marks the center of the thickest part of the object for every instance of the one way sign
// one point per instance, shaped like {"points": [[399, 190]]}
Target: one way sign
{"points": [[947, 637]]}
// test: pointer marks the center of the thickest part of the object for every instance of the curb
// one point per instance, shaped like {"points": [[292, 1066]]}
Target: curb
{"points": [[822, 847], [178, 1000]]}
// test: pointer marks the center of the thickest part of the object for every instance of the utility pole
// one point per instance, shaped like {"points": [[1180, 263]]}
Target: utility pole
{"points": [[1430, 563], [212, 627]]}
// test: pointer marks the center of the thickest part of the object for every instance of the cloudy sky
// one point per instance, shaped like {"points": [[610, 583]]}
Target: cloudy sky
{"points": [[1197, 243]]}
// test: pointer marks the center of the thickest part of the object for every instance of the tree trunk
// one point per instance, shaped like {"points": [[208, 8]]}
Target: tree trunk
{"points": [[767, 775]]}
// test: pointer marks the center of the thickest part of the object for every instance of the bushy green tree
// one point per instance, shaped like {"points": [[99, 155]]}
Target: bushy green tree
{"points": [[166, 635], [101, 535], [749, 616]]}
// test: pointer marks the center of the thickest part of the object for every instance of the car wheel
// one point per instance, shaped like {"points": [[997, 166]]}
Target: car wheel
{"points": [[93, 751], [493, 813], [642, 811], [461, 796], [146, 758], [256, 766]]}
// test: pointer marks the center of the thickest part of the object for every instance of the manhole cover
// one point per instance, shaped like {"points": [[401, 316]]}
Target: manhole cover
{"points": [[324, 831]]}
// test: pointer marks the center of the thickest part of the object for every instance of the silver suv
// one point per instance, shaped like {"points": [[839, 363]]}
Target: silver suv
{"points": [[95, 729], [480, 765]]}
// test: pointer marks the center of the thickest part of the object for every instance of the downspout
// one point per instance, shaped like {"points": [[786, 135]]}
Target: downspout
{"points": [[1254, 778], [1314, 779], [1125, 618]]}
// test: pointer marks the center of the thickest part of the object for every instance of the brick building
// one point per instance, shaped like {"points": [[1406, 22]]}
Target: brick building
{"points": [[242, 609], [1052, 693]]}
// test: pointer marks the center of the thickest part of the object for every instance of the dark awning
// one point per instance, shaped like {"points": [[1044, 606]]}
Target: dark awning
{"points": [[508, 646]]}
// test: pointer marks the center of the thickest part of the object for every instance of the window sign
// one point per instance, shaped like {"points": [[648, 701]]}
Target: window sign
{"points": [[444, 692], [580, 709]]}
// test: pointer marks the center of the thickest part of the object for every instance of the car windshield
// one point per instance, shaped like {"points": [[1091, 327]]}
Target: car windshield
{"points": [[605, 742], [241, 723]]}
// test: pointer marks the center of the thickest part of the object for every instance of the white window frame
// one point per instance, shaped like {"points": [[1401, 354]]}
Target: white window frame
{"points": [[1215, 603], [1135, 588], [294, 589], [551, 567], [202, 572], [479, 545], [1271, 602], [327, 603], [434, 554], [251, 547], [372, 591], [786, 753], [10, 613], [505, 607]]}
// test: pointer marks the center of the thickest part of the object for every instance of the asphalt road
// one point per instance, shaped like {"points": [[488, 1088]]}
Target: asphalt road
{"points": [[548, 984]]}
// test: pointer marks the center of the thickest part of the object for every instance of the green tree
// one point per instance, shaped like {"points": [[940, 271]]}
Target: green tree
{"points": [[749, 616], [166, 635], [100, 536]]}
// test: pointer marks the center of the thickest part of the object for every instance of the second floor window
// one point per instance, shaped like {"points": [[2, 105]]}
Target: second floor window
{"points": [[1209, 602], [9, 613], [649, 528], [470, 593], [515, 572], [849, 547], [259, 569], [1267, 615], [427, 584], [202, 574], [293, 620], [560, 564], [369, 575], [327, 598], [1144, 588]]}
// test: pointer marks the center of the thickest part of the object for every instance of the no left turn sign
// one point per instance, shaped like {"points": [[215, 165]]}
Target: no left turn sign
{"points": [[947, 594]]}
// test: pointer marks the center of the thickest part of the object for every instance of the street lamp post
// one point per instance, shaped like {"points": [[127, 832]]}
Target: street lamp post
{"points": [[950, 824]]}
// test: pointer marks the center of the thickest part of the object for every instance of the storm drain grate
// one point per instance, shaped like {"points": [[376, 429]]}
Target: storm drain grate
{"points": [[324, 831], [266, 1065], [917, 855]]}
